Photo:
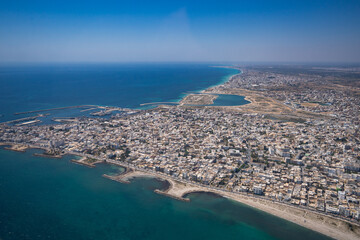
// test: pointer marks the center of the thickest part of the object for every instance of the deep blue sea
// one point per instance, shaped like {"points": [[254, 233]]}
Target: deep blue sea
{"points": [[43, 198], [34, 87]]}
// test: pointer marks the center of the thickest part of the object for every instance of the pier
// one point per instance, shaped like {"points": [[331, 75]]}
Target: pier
{"points": [[15, 147], [64, 119], [89, 109], [105, 112], [21, 120], [32, 122], [176, 189], [48, 155], [86, 161], [53, 109]]}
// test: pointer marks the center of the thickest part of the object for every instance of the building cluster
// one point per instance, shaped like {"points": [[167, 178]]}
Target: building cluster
{"points": [[314, 164], [309, 92]]}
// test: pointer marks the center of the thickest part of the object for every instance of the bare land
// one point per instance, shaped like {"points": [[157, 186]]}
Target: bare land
{"points": [[198, 99], [266, 105]]}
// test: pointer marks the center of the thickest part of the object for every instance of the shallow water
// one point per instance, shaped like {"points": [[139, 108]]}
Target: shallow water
{"points": [[43, 198]]}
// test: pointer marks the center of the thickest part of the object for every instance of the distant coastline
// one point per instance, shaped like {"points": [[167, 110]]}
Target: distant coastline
{"points": [[225, 78], [203, 98], [198, 97]]}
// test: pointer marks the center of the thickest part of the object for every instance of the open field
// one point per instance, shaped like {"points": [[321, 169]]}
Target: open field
{"points": [[198, 99], [267, 106]]}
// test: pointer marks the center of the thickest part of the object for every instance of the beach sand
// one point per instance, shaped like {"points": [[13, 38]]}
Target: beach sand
{"points": [[327, 225]]}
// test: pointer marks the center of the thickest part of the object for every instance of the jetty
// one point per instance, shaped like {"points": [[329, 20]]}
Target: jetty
{"points": [[48, 155], [65, 119], [176, 189], [179, 189], [21, 120], [52, 109], [16, 147], [32, 122], [89, 109], [88, 162], [122, 177], [103, 112]]}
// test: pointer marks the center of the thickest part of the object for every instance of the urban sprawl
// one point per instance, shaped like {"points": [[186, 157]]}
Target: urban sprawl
{"points": [[313, 162]]}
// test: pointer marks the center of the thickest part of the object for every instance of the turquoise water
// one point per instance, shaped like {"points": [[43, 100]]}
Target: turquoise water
{"points": [[43, 198], [54, 199]]}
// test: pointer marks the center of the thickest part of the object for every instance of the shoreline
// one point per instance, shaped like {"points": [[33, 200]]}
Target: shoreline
{"points": [[278, 209], [207, 98], [229, 78], [224, 80], [179, 189], [183, 97]]}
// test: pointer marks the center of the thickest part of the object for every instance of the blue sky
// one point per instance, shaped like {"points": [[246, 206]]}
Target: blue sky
{"points": [[132, 31]]}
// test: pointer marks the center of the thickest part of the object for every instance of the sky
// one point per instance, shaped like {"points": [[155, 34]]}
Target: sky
{"points": [[179, 31]]}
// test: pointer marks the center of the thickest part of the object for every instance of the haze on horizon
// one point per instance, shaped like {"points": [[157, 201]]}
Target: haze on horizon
{"points": [[147, 31]]}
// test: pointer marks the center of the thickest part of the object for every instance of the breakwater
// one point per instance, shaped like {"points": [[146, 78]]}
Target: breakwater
{"points": [[53, 109]]}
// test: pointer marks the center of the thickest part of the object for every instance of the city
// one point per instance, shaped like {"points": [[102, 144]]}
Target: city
{"points": [[312, 163]]}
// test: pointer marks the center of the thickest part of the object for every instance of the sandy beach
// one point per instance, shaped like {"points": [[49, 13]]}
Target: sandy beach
{"points": [[325, 224], [179, 189]]}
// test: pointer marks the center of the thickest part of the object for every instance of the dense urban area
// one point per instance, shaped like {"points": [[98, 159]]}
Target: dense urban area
{"points": [[313, 162]]}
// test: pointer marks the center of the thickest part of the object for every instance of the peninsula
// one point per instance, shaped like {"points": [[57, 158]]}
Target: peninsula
{"points": [[293, 151]]}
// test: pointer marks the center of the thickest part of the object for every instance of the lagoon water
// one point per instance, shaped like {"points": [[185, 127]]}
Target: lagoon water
{"points": [[229, 100], [43, 198]]}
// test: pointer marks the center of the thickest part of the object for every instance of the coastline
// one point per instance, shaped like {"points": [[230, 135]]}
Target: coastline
{"points": [[205, 97], [179, 189], [294, 214], [259, 104], [328, 225], [228, 78], [183, 98], [225, 78]]}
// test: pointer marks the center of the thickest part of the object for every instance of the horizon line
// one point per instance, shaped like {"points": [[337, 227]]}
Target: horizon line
{"points": [[181, 62]]}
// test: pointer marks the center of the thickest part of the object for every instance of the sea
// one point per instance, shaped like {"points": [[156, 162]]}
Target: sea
{"points": [[46, 198]]}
